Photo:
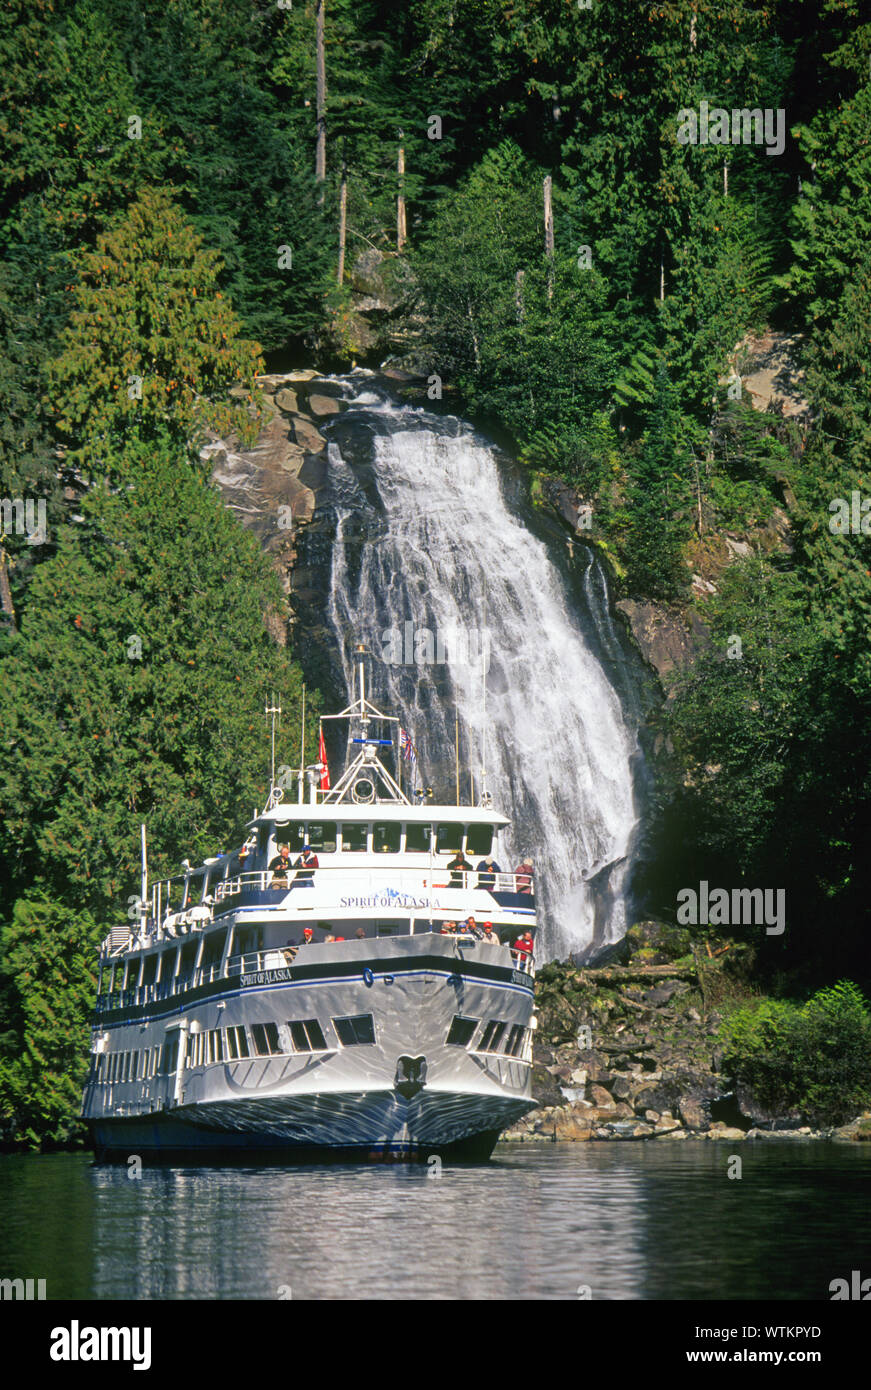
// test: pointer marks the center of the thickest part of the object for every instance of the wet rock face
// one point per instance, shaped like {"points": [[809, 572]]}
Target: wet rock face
{"points": [[273, 486]]}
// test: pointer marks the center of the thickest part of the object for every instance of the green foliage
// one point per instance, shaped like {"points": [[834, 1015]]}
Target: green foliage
{"points": [[151, 346], [814, 1057], [98, 738], [48, 979]]}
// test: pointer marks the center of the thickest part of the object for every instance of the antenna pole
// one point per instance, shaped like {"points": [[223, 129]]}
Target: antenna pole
{"points": [[302, 737], [143, 881], [457, 748], [273, 710]]}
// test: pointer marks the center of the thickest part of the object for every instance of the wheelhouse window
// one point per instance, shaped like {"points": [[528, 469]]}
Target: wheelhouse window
{"points": [[417, 838], [355, 1031], [322, 836], [461, 1031], [386, 838], [287, 833], [479, 840], [355, 837], [149, 973], [449, 838], [515, 1039]]}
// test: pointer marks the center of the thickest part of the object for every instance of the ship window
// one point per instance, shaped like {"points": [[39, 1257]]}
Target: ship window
{"points": [[515, 1038], [171, 1057], [479, 839], [216, 1045], [386, 838], [417, 838], [491, 1035], [321, 835], [352, 1031], [308, 1036], [265, 1038], [232, 1050], [149, 974], [449, 839], [214, 948], [355, 837], [461, 1031], [187, 959], [248, 940], [242, 1042]]}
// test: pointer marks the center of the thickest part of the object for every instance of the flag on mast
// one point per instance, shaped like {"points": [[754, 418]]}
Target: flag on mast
{"points": [[322, 759], [408, 751]]}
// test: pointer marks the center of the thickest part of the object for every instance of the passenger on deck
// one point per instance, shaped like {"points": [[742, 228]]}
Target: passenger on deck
{"points": [[290, 950], [280, 867], [329, 937], [307, 937], [489, 935], [523, 874], [305, 866], [487, 871], [449, 928], [457, 865], [361, 934], [471, 928], [522, 950]]}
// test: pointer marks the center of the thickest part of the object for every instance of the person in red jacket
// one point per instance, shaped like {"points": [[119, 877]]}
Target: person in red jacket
{"points": [[522, 950]]}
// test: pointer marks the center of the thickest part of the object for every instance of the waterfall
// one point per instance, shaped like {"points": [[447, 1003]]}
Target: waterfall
{"points": [[470, 624]]}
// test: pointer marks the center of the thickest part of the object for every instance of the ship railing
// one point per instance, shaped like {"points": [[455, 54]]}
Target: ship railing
{"points": [[253, 962], [198, 912]]}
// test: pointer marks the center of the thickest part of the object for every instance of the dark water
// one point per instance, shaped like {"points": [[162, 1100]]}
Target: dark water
{"points": [[631, 1221]]}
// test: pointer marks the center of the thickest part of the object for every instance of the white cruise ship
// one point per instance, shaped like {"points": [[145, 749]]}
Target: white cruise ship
{"points": [[329, 1009]]}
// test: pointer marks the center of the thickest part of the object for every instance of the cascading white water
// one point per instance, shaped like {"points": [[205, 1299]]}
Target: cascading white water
{"points": [[542, 730]]}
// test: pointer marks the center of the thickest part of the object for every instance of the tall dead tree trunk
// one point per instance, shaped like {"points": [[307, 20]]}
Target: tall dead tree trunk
{"points": [[548, 232], [518, 293], [401, 227], [343, 222], [6, 603], [321, 107]]}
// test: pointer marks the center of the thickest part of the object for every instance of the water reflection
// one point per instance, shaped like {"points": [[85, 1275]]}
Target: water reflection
{"points": [[632, 1221]]}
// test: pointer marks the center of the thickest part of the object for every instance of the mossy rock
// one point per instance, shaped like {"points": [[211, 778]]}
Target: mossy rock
{"points": [[659, 940]]}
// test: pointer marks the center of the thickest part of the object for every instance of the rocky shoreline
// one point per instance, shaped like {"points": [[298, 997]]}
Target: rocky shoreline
{"points": [[632, 1051]]}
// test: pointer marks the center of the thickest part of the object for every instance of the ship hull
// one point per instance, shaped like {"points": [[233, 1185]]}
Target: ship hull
{"points": [[316, 1129], [403, 1086]]}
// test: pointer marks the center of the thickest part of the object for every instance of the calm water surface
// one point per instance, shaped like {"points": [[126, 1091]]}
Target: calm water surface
{"points": [[632, 1221]]}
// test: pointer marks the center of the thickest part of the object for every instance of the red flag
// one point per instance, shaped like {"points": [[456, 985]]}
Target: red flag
{"points": [[322, 759]]}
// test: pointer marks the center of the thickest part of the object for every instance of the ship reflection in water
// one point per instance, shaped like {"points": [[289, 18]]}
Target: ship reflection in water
{"points": [[627, 1221]]}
